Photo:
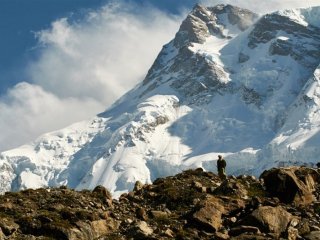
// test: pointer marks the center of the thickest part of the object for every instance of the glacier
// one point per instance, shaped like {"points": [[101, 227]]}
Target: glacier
{"points": [[230, 82]]}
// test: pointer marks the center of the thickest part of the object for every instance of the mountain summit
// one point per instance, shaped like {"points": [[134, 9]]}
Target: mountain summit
{"points": [[229, 83]]}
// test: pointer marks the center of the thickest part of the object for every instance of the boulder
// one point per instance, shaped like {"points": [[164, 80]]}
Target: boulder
{"points": [[138, 186], [168, 233], [208, 217], [103, 227], [291, 185], [88, 230], [143, 228], [141, 213], [102, 193], [81, 232], [269, 219], [159, 214]]}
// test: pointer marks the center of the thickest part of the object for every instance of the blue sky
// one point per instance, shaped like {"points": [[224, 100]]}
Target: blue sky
{"points": [[20, 19], [18, 22], [62, 61]]}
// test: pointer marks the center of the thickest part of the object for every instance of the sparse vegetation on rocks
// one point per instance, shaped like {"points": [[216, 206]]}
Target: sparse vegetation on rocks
{"points": [[191, 205]]}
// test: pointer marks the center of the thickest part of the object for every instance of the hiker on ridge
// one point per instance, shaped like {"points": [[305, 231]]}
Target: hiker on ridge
{"points": [[221, 165]]}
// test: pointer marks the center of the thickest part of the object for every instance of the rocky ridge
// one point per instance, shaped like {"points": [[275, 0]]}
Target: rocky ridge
{"points": [[228, 83], [283, 204]]}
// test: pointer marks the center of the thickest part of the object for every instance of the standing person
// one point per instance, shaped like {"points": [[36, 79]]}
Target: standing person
{"points": [[221, 165]]}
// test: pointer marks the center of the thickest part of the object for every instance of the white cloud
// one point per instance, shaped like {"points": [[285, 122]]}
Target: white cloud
{"points": [[103, 56], [27, 111], [263, 7], [82, 67]]}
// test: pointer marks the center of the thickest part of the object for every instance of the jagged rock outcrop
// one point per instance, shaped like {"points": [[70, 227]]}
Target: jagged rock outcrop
{"points": [[203, 22], [292, 185], [189, 205], [269, 27], [195, 73]]}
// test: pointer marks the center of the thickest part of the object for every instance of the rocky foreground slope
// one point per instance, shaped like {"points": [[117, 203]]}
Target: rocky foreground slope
{"points": [[283, 203]]}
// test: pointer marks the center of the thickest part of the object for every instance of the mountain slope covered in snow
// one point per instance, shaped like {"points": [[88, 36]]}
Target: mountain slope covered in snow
{"points": [[229, 83]]}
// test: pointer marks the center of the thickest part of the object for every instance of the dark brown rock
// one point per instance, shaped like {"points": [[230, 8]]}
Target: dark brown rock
{"points": [[141, 213], [209, 215], [138, 186], [291, 185], [102, 192]]}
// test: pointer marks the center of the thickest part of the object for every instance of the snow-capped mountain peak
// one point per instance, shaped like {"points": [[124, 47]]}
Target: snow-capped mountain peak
{"points": [[304, 17], [229, 83], [223, 21]]}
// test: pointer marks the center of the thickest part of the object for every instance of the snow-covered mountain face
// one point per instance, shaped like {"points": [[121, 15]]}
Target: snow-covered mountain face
{"points": [[229, 83]]}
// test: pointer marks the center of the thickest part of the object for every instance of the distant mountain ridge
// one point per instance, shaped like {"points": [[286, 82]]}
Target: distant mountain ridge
{"points": [[229, 83]]}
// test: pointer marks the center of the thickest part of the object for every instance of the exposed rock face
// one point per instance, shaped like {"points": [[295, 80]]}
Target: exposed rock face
{"points": [[271, 25], [292, 185], [202, 22], [189, 205], [199, 74]]}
